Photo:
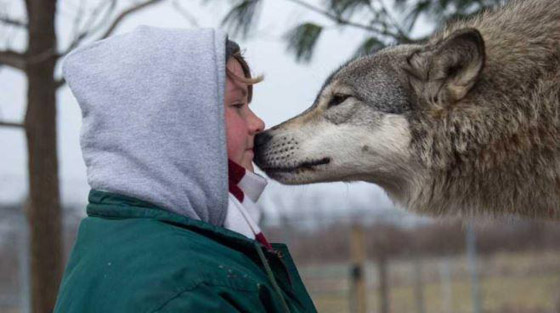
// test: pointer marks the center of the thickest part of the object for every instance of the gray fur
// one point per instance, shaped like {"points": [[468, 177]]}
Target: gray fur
{"points": [[467, 123]]}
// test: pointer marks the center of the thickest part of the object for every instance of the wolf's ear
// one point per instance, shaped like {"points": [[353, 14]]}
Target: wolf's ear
{"points": [[444, 73]]}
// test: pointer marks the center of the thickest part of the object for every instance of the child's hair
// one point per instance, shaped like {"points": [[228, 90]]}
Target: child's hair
{"points": [[233, 51]]}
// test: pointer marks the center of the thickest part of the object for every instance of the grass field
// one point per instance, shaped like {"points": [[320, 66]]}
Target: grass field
{"points": [[509, 282], [526, 282]]}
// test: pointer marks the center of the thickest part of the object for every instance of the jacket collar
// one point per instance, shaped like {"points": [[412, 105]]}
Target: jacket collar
{"points": [[244, 183], [111, 205]]}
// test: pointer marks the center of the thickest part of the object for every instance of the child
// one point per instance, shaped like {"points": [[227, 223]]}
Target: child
{"points": [[167, 132]]}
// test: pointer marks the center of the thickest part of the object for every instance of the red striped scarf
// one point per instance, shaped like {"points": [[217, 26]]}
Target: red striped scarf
{"points": [[245, 187]]}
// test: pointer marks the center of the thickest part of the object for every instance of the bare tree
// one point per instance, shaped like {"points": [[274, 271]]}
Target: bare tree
{"points": [[38, 61]]}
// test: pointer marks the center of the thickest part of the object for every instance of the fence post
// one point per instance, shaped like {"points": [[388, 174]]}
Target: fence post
{"points": [[446, 291], [418, 284], [383, 283], [472, 259], [358, 253]]}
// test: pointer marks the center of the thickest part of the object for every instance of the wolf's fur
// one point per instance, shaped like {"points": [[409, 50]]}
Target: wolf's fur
{"points": [[467, 123]]}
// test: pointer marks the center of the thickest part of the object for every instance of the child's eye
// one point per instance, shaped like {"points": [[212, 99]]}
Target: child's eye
{"points": [[237, 105]]}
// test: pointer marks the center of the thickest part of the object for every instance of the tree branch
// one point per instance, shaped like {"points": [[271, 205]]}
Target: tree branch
{"points": [[191, 19], [88, 33], [13, 59], [11, 124], [80, 36], [42, 57], [333, 17], [77, 20], [343, 21], [402, 36], [12, 22], [125, 14], [60, 82]]}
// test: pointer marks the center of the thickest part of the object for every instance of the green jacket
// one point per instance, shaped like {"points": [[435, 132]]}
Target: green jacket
{"points": [[131, 256]]}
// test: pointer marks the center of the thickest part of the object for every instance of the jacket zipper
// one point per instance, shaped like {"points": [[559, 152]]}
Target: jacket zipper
{"points": [[272, 278]]}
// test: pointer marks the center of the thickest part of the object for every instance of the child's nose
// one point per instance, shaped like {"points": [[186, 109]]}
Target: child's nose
{"points": [[257, 125]]}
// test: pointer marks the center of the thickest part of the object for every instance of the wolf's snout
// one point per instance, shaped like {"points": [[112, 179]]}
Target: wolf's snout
{"points": [[262, 138], [273, 151]]}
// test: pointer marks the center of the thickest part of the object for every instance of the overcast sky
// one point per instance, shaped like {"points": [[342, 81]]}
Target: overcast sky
{"points": [[288, 89]]}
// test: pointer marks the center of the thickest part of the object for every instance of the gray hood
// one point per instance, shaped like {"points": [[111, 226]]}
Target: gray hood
{"points": [[153, 119]]}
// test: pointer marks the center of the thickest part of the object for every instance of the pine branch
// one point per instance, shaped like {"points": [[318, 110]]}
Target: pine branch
{"points": [[302, 40], [370, 45], [242, 16], [332, 16], [347, 7], [402, 36], [381, 30]]}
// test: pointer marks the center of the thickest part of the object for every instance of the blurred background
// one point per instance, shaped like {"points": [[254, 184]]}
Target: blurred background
{"points": [[355, 250]]}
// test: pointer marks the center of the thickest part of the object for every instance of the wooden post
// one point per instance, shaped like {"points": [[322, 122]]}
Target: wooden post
{"points": [[418, 284], [472, 260], [358, 252], [446, 285], [383, 283]]}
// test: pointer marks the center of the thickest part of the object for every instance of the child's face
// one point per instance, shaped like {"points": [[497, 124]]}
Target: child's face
{"points": [[241, 123]]}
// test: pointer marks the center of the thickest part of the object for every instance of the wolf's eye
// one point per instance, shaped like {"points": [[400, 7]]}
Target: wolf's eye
{"points": [[337, 99]]}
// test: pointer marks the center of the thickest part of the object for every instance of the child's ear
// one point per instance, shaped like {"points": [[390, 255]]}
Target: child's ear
{"points": [[445, 72]]}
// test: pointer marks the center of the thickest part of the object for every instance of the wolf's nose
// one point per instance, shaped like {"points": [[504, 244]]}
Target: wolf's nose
{"points": [[262, 138]]}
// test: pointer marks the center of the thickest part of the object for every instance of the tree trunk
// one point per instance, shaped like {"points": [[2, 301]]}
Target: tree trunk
{"points": [[44, 213]]}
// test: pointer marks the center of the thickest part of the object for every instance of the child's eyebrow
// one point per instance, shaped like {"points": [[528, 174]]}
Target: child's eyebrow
{"points": [[242, 90]]}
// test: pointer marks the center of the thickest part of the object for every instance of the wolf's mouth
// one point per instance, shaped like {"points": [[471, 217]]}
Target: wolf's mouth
{"points": [[308, 165]]}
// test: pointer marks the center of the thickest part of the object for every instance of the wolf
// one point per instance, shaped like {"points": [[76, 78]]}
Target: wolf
{"points": [[466, 123]]}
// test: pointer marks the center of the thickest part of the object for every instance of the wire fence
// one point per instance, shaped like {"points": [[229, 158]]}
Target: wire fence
{"points": [[376, 265]]}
